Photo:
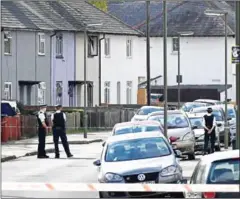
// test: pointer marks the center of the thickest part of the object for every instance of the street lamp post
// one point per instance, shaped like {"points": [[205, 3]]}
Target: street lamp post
{"points": [[179, 77], [224, 14], [85, 76]]}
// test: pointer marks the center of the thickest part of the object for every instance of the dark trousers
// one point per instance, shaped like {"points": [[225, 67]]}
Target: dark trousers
{"points": [[212, 138], [60, 132], [41, 141]]}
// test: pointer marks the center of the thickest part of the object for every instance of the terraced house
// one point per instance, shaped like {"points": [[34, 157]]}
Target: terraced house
{"points": [[43, 52]]}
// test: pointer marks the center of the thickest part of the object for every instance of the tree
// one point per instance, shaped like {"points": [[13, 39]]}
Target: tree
{"points": [[100, 4]]}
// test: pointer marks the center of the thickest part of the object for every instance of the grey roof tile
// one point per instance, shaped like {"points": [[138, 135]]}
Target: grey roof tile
{"points": [[60, 15], [182, 16]]}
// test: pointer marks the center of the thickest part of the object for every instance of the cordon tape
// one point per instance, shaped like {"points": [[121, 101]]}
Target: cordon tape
{"points": [[116, 187]]}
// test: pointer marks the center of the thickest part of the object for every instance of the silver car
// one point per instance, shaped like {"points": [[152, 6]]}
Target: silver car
{"points": [[143, 112], [209, 101], [196, 121], [138, 158], [180, 132]]}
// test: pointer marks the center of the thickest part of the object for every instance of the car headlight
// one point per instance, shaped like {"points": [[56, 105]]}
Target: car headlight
{"points": [[168, 171], [188, 136], [112, 177]]}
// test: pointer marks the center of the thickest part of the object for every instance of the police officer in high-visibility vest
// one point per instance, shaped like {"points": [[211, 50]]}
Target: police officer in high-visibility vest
{"points": [[209, 125], [59, 130], [43, 127]]}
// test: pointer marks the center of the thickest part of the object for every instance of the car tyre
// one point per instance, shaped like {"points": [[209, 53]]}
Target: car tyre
{"points": [[177, 195], [191, 156]]}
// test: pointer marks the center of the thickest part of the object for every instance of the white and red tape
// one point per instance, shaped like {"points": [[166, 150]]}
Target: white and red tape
{"points": [[113, 187]]}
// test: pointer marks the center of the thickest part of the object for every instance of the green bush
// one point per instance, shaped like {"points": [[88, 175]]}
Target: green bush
{"points": [[100, 4]]}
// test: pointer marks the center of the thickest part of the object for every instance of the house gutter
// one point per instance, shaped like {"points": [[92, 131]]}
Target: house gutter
{"points": [[51, 66], [100, 70]]}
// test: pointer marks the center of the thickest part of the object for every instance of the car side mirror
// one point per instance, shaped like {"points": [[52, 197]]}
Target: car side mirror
{"points": [[184, 181], [103, 144], [97, 163], [194, 127], [178, 153], [219, 125], [229, 118]]}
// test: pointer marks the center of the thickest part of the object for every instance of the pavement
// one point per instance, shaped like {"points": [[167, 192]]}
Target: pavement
{"points": [[28, 147], [79, 169]]}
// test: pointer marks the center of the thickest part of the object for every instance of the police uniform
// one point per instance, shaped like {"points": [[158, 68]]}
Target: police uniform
{"points": [[41, 118], [59, 130], [209, 121]]}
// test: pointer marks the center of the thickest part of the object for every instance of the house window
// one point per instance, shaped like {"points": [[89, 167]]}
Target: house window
{"points": [[92, 46], [107, 92], [59, 45], [129, 92], [107, 47], [118, 92], [129, 48], [7, 43], [175, 44], [59, 92], [8, 90], [41, 43]]}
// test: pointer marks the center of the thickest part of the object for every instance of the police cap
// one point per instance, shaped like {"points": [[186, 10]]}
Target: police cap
{"points": [[58, 106], [42, 105], [209, 109]]}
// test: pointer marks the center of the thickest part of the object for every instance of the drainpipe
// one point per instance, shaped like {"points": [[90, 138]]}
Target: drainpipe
{"points": [[51, 66], [100, 70]]}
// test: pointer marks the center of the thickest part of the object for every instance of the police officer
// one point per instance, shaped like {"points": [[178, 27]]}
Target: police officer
{"points": [[43, 127], [209, 124], [59, 130]]}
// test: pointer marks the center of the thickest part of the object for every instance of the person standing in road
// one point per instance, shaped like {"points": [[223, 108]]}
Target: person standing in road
{"points": [[209, 124], [59, 130], [43, 127]]}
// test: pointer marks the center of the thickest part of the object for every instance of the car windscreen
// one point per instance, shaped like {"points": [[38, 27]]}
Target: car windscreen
{"points": [[197, 121], [173, 120], [188, 107], [216, 113], [146, 111], [224, 172], [137, 149], [135, 129], [231, 113]]}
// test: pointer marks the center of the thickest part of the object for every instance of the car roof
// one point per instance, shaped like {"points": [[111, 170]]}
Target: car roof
{"points": [[132, 136], [168, 112], [156, 107], [195, 103], [144, 122], [214, 107], [208, 159], [206, 100]]}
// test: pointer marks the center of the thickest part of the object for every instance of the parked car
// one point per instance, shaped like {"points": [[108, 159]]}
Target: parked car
{"points": [[196, 120], [216, 169], [180, 131], [233, 132], [220, 117], [209, 101], [143, 112], [138, 158], [188, 106], [231, 113]]}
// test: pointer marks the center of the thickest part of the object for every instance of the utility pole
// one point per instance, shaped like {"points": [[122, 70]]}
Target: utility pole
{"points": [[165, 65], [85, 83], [179, 72], [148, 53], [238, 75]]}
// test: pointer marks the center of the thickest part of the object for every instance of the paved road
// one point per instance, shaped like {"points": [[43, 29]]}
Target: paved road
{"points": [[78, 169]]}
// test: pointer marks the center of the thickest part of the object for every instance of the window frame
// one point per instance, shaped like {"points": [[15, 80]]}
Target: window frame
{"points": [[9, 93], [129, 92], [9, 38], [129, 48], [40, 41], [107, 47], [94, 38], [118, 92], [175, 49], [107, 87], [59, 45]]}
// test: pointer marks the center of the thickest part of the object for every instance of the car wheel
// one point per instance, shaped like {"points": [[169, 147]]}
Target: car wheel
{"points": [[191, 156], [177, 195], [100, 195], [218, 148]]}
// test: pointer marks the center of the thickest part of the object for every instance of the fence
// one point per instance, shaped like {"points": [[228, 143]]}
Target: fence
{"points": [[98, 119]]}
